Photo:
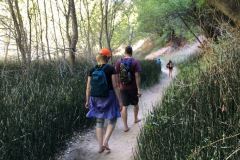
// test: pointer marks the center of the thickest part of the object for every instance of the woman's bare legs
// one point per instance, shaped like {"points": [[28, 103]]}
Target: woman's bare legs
{"points": [[108, 134], [170, 72], [99, 133]]}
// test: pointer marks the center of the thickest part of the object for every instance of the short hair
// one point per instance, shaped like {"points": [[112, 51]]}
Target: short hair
{"points": [[102, 58], [128, 50]]}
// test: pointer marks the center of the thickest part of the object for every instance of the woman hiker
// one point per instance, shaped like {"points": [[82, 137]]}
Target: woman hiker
{"points": [[103, 108]]}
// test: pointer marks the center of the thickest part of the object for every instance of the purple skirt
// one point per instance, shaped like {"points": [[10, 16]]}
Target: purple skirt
{"points": [[104, 107]]}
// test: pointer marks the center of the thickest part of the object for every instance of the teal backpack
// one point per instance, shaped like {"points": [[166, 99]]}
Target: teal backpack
{"points": [[98, 82]]}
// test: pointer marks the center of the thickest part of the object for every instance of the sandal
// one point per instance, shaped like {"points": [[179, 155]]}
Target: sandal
{"points": [[106, 147], [126, 130], [137, 121], [101, 150]]}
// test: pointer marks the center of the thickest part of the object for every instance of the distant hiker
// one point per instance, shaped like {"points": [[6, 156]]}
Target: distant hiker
{"points": [[103, 104], [170, 66], [129, 70], [159, 64]]}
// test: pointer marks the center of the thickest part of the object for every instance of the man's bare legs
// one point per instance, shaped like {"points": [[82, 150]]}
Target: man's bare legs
{"points": [[135, 111], [125, 114], [124, 118]]}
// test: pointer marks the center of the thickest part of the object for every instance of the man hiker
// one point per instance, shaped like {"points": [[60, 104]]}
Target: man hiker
{"points": [[129, 70]]}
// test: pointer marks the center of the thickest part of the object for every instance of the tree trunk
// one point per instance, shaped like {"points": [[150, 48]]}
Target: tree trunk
{"points": [[46, 32], [36, 33], [102, 24], [20, 32], [30, 34], [229, 8], [190, 29], [54, 29], [41, 32], [88, 29], [6, 44], [106, 28], [72, 39], [62, 50]]}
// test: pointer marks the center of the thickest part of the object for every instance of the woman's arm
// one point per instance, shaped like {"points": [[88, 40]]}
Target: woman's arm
{"points": [[87, 91], [116, 89]]}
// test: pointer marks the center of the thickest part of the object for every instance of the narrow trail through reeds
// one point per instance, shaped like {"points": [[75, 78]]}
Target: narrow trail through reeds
{"points": [[122, 144]]}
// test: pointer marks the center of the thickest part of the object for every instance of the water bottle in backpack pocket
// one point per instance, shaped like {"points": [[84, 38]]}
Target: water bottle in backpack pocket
{"points": [[125, 74]]}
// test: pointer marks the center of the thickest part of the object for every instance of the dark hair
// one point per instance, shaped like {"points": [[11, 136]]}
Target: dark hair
{"points": [[128, 50]]}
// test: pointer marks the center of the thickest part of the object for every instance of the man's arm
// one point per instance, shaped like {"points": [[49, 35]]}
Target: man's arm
{"points": [[138, 81]]}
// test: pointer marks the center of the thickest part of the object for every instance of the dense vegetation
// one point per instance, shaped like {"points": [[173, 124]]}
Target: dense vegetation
{"points": [[41, 108], [198, 117], [42, 83]]}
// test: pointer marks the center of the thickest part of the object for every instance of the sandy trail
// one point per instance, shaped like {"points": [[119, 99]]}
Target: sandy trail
{"points": [[122, 144]]}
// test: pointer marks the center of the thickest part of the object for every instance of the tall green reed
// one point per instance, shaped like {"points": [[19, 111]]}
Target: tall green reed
{"points": [[150, 73], [199, 115], [41, 107]]}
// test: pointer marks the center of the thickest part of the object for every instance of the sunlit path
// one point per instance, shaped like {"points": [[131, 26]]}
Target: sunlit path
{"points": [[122, 144]]}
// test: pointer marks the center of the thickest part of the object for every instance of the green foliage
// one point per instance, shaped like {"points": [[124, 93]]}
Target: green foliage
{"points": [[162, 17], [199, 116], [40, 109], [200, 3], [150, 73]]}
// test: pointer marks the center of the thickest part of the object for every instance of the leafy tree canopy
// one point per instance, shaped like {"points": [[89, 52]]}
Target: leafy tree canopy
{"points": [[161, 17]]}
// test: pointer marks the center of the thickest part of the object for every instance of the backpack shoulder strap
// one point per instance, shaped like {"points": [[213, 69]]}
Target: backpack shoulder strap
{"points": [[122, 60], [95, 67], [129, 62], [104, 66], [101, 68]]}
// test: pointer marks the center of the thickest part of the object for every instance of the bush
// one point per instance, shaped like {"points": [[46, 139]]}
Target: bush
{"points": [[150, 73], [198, 117], [42, 107]]}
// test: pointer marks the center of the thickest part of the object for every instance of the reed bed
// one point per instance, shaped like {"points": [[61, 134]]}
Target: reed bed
{"points": [[198, 117], [150, 73], [42, 107]]}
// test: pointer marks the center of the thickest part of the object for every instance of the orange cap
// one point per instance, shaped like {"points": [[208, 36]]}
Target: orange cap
{"points": [[106, 52]]}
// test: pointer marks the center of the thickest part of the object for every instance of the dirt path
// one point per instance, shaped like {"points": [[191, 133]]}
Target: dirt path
{"points": [[122, 144]]}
